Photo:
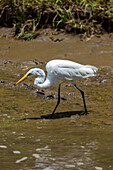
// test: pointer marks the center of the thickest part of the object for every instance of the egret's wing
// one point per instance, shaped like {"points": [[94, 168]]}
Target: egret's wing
{"points": [[64, 69], [66, 73], [68, 70]]}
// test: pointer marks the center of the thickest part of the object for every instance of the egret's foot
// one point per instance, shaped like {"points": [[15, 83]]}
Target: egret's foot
{"points": [[85, 113]]}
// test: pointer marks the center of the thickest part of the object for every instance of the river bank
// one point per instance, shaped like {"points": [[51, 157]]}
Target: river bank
{"points": [[81, 17]]}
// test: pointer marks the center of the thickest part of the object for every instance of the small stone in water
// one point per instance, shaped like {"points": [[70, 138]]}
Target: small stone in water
{"points": [[48, 168], [36, 156], [104, 81], [3, 146], [98, 168], [16, 152], [80, 163], [22, 159], [70, 166], [82, 147]]}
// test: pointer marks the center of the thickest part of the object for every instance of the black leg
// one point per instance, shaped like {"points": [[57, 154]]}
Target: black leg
{"points": [[82, 97], [58, 102]]}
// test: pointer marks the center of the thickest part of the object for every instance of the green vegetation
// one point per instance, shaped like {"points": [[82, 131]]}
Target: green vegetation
{"points": [[78, 16]]}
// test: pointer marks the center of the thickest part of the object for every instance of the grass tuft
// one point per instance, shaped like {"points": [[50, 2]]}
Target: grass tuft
{"points": [[79, 16]]}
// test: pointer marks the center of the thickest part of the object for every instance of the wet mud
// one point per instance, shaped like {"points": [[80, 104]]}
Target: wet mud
{"points": [[29, 139]]}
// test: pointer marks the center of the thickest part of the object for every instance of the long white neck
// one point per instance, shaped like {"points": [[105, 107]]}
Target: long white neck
{"points": [[40, 83]]}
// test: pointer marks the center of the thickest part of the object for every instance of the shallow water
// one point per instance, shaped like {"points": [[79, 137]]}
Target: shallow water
{"points": [[69, 141]]}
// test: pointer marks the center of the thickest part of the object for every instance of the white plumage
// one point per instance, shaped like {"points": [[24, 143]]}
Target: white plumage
{"points": [[59, 71], [69, 70]]}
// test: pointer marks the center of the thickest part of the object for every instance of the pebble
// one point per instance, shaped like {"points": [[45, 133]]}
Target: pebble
{"points": [[22, 159], [45, 148], [70, 166], [80, 163], [36, 155], [98, 168], [16, 152], [48, 168], [82, 147], [3, 146], [103, 81]]}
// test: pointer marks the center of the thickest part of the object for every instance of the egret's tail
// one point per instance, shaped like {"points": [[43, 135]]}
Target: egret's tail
{"points": [[95, 69], [88, 71]]}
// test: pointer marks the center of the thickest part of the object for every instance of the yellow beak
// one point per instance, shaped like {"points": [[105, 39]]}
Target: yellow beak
{"points": [[23, 78]]}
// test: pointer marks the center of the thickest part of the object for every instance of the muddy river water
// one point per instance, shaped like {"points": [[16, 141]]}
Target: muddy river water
{"points": [[28, 138]]}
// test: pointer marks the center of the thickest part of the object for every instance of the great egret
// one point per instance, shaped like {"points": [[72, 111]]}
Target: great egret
{"points": [[59, 71]]}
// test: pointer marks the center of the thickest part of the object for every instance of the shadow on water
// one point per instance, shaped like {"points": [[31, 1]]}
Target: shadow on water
{"points": [[58, 115]]}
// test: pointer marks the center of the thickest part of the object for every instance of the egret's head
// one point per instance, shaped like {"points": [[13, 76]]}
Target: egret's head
{"points": [[34, 71]]}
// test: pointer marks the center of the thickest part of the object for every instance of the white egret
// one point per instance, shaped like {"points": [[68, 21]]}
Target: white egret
{"points": [[59, 71]]}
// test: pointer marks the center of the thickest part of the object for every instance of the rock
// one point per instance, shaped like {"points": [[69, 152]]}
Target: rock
{"points": [[36, 156], [22, 159], [3, 146], [16, 152]]}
